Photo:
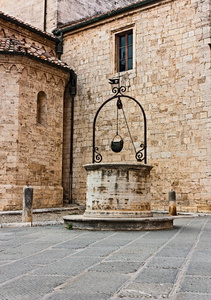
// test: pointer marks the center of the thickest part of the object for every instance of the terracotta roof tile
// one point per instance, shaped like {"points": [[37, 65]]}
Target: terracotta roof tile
{"points": [[13, 45]]}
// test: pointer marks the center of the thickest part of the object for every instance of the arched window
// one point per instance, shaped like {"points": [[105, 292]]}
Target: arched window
{"points": [[41, 108]]}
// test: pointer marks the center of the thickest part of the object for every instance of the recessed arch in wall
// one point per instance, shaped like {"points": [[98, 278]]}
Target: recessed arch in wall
{"points": [[41, 108]]}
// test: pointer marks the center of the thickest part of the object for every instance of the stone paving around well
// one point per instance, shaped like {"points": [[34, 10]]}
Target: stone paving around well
{"points": [[44, 216], [54, 263]]}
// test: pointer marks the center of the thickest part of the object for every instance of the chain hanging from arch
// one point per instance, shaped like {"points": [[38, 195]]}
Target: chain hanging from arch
{"points": [[118, 145]]}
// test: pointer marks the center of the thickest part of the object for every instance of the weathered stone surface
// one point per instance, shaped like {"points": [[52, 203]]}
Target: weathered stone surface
{"points": [[32, 12], [41, 263], [170, 79], [27, 204], [118, 190], [31, 153], [129, 224], [172, 203]]}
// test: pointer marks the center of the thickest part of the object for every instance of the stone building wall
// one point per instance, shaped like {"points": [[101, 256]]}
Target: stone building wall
{"points": [[31, 152], [8, 129], [171, 79], [32, 12], [30, 146]]}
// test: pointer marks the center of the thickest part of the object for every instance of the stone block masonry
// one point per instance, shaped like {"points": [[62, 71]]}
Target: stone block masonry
{"points": [[31, 152], [171, 80], [118, 190], [32, 12], [32, 83]]}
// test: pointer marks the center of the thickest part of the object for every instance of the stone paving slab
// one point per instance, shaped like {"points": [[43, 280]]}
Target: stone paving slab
{"points": [[166, 262], [199, 268], [30, 287], [146, 291], [97, 251], [13, 270], [158, 276], [59, 264], [77, 296], [174, 252], [95, 283], [69, 266], [48, 256], [196, 284], [117, 267], [191, 296]]}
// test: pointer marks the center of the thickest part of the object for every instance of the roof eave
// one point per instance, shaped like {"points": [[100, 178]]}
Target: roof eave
{"points": [[36, 58]]}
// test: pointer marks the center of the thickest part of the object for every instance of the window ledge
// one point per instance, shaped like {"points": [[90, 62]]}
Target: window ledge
{"points": [[125, 75]]}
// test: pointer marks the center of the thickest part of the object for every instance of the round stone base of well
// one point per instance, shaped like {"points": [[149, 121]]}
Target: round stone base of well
{"points": [[82, 222]]}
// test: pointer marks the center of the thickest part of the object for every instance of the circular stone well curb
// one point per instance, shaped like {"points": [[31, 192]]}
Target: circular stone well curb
{"points": [[82, 222]]}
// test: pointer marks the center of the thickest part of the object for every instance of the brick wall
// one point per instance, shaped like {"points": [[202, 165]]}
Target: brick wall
{"points": [[171, 79]]}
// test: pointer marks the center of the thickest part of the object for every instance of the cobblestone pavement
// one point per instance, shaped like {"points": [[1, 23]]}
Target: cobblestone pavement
{"points": [[54, 263]]}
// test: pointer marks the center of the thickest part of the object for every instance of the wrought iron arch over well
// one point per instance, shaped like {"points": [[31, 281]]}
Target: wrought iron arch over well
{"points": [[141, 154]]}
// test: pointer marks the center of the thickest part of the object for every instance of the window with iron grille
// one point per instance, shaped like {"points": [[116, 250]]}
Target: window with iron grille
{"points": [[124, 51]]}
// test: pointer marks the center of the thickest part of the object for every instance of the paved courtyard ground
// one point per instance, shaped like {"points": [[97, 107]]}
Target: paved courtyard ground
{"points": [[51, 262]]}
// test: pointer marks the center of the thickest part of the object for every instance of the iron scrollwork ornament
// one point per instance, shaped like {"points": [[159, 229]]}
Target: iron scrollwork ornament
{"points": [[97, 156], [117, 146], [139, 154], [118, 90]]}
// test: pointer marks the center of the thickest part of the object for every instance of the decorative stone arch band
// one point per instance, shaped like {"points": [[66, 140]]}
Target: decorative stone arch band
{"points": [[140, 155]]}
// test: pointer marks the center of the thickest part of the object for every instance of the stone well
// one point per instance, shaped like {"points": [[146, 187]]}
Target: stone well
{"points": [[118, 198], [118, 190]]}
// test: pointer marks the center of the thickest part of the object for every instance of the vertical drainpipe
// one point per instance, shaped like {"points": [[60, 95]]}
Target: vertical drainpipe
{"points": [[72, 92], [45, 15], [59, 47], [72, 84]]}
